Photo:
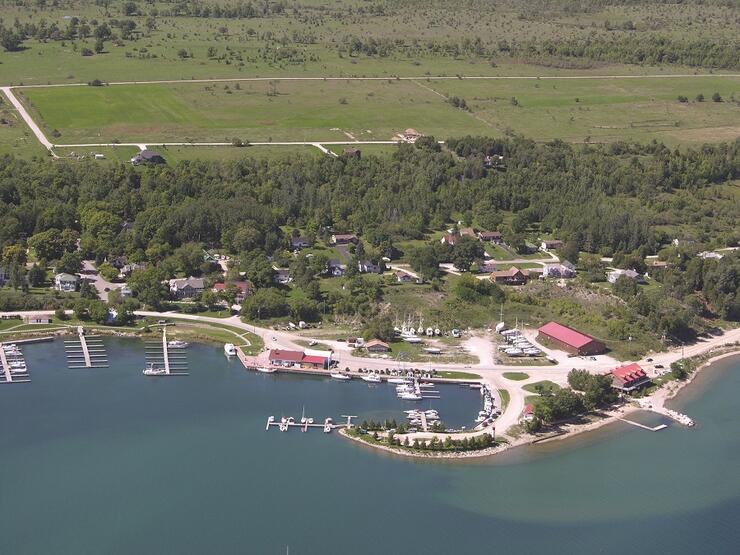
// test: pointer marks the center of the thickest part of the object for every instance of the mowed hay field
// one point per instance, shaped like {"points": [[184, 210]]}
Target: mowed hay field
{"points": [[605, 110], [575, 110], [252, 111]]}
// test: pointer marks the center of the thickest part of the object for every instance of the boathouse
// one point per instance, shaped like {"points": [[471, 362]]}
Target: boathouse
{"points": [[570, 340]]}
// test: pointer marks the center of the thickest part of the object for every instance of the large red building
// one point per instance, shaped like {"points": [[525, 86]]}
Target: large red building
{"points": [[629, 377], [570, 340]]}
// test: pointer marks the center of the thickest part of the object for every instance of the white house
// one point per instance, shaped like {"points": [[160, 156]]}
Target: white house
{"points": [[564, 269], [614, 275], [65, 282]]}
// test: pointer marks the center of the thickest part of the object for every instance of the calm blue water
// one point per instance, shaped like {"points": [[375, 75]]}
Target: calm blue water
{"points": [[107, 461]]}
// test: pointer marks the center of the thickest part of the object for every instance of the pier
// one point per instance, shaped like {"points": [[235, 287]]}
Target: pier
{"points": [[643, 426], [306, 423], [87, 351], [13, 365], [163, 363]]}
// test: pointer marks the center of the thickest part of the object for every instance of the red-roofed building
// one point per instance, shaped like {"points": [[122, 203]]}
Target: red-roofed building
{"points": [[570, 340], [244, 287], [281, 357], [377, 346], [297, 359], [313, 361], [527, 414], [629, 378]]}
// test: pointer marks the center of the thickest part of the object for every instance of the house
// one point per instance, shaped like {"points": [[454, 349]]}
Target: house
{"points": [[449, 239], [493, 237], [186, 288], [126, 292], [147, 157], [527, 413], [487, 267], [127, 269], [411, 135], [629, 377], [377, 346], [66, 282], [335, 269], [706, 255], [404, 277], [368, 267], [614, 275], [244, 289], [564, 269], [36, 319], [550, 244], [467, 232], [512, 276], [570, 340], [298, 243], [344, 238], [352, 152], [282, 276]]}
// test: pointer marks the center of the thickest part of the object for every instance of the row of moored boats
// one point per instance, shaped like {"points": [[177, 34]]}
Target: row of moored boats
{"points": [[15, 359]]}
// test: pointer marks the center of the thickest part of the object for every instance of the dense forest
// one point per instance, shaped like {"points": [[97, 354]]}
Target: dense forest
{"points": [[604, 200]]}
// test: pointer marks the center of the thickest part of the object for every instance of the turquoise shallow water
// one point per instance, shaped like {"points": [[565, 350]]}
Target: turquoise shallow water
{"points": [[108, 461]]}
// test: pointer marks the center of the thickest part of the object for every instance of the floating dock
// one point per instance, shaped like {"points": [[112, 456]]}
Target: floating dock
{"points": [[158, 355], [87, 351], [8, 359], [306, 423]]}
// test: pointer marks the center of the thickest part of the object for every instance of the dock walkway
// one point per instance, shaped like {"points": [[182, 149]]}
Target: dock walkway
{"points": [[8, 376], [87, 351]]}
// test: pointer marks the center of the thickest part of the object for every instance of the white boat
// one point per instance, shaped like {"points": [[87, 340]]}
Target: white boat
{"points": [[339, 376], [265, 369], [372, 378], [177, 344], [410, 396], [19, 370], [412, 339], [230, 349], [398, 380], [152, 370]]}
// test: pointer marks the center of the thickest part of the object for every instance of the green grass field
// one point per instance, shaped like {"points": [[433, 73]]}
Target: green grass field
{"points": [[256, 111], [604, 110], [597, 110]]}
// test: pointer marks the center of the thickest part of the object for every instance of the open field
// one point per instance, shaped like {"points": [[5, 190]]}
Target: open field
{"points": [[604, 110], [595, 110], [255, 111]]}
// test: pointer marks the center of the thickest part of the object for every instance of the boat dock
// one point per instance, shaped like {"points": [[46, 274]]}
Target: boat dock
{"points": [[643, 426], [284, 424], [158, 355], [87, 351], [13, 366]]}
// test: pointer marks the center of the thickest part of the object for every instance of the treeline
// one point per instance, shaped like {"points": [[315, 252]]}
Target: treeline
{"points": [[640, 48], [633, 49]]}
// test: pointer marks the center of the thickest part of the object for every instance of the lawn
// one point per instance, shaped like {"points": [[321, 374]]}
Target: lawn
{"points": [[457, 375], [261, 111], [516, 376], [547, 385]]}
